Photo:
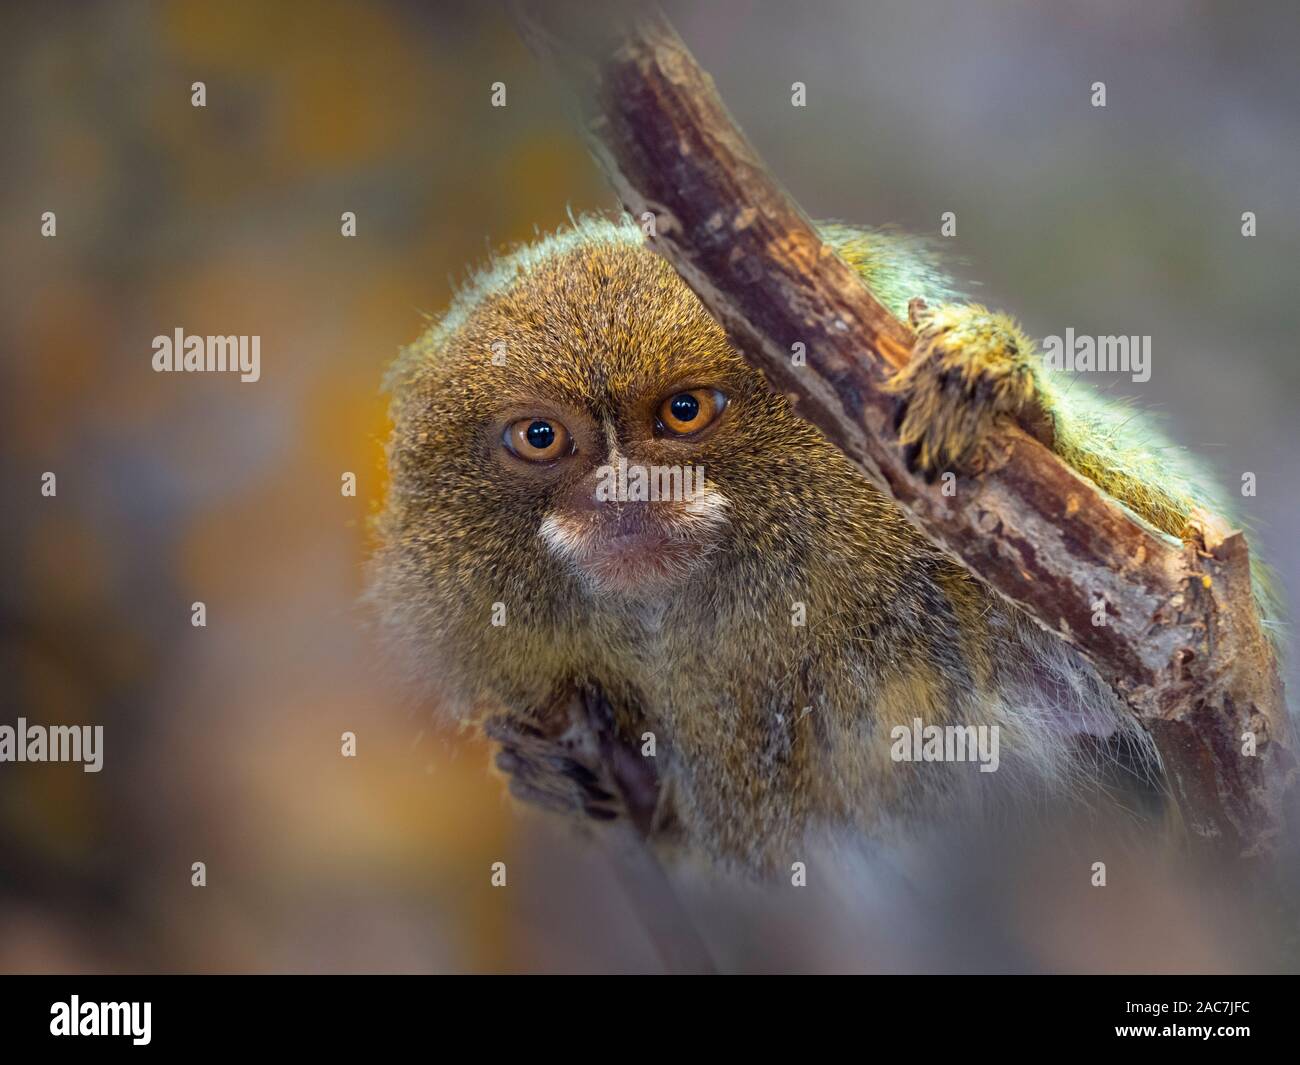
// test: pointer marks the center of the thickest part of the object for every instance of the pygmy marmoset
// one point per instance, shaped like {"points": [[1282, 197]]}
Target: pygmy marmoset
{"points": [[774, 627]]}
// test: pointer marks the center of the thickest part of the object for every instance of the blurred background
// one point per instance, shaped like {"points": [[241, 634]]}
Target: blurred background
{"points": [[222, 743]]}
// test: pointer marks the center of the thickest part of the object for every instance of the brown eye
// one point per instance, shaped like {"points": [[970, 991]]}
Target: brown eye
{"points": [[538, 439], [684, 413]]}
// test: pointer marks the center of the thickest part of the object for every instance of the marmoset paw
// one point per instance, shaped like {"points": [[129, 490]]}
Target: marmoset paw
{"points": [[556, 765], [969, 368]]}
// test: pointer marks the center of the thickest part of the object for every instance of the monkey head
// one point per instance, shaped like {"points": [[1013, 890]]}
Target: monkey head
{"points": [[577, 438]]}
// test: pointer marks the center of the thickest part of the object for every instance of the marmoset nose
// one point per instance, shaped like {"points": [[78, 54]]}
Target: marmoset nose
{"points": [[602, 497]]}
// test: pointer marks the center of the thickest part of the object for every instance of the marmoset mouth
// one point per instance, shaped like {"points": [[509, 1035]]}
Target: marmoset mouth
{"points": [[636, 548], [644, 562]]}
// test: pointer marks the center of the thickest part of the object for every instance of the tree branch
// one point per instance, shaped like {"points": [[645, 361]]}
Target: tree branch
{"points": [[1182, 643]]}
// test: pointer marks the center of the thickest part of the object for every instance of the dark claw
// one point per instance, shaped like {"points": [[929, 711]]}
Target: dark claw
{"points": [[585, 779], [600, 813], [589, 784], [900, 415], [910, 452]]}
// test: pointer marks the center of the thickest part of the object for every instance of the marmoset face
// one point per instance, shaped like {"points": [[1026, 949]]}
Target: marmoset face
{"points": [[629, 507], [591, 410]]}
